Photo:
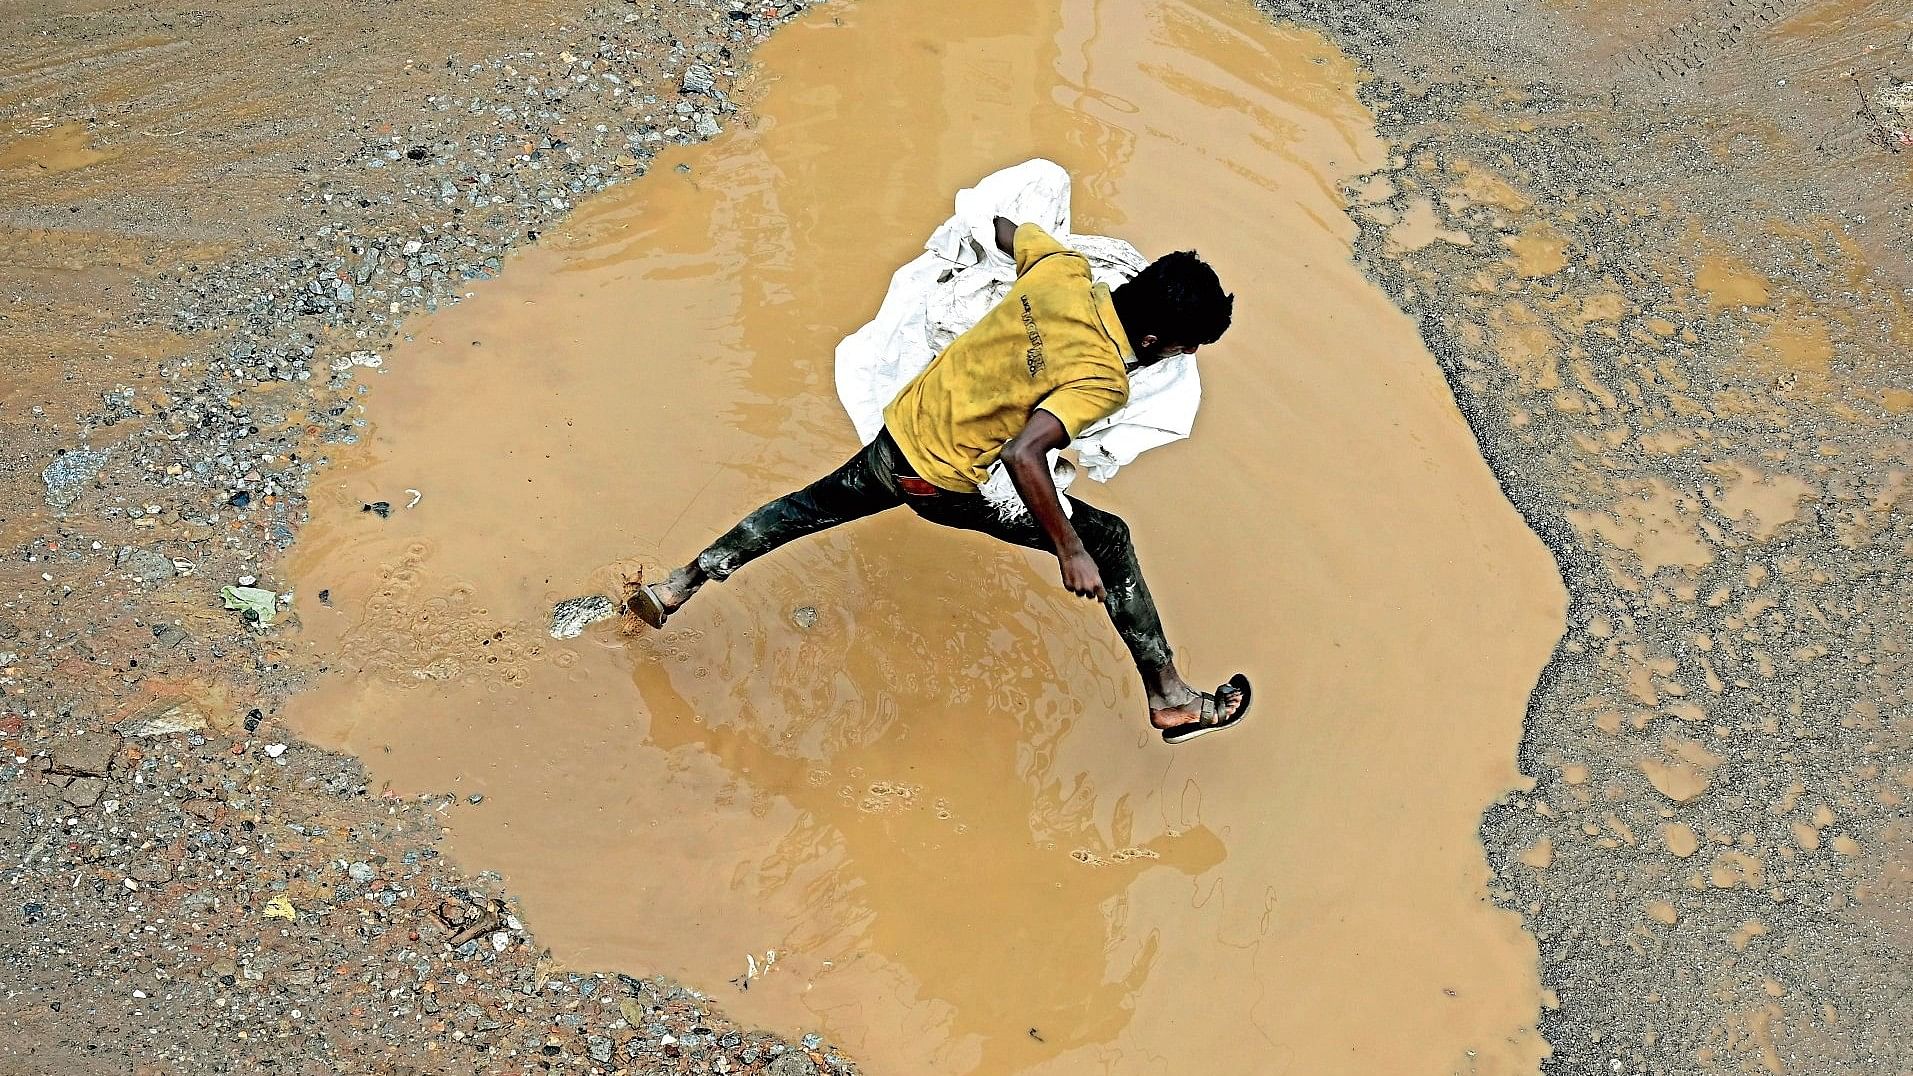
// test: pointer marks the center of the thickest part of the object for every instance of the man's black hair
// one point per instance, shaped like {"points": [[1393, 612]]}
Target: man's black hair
{"points": [[1176, 298]]}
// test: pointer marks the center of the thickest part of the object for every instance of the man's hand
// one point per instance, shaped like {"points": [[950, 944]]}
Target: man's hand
{"points": [[1026, 457], [1005, 235], [1080, 576]]}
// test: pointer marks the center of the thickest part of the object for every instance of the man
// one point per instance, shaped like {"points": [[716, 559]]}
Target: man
{"points": [[1045, 363]]}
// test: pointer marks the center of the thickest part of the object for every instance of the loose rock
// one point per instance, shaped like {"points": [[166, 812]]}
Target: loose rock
{"points": [[569, 618], [86, 754], [69, 473], [83, 791]]}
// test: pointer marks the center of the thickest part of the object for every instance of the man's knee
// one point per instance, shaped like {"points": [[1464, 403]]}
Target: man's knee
{"points": [[752, 537], [725, 557]]}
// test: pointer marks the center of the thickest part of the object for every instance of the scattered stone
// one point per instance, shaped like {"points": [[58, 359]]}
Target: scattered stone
{"points": [[382, 509], [165, 717], [145, 565], [484, 923], [569, 618], [792, 1063], [86, 754], [804, 616], [698, 79], [69, 473], [84, 791]]}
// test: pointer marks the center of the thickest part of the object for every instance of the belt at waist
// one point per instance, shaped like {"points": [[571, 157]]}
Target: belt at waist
{"points": [[912, 486]]}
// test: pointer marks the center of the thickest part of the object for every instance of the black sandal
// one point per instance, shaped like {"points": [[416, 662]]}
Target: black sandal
{"points": [[644, 604], [1214, 717]]}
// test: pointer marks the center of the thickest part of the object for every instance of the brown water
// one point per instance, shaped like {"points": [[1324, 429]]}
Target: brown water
{"points": [[940, 805], [55, 149]]}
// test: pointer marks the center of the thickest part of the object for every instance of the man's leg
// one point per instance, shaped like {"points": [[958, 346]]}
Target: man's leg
{"points": [[865, 485], [1126, 595]]}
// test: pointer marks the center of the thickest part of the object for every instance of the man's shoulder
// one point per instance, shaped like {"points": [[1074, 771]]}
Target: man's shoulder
{"points": [[1051, 257], [1095, 361], [1062, 281]]}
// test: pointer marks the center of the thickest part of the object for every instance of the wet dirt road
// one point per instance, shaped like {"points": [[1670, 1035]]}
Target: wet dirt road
{"points": [[940, 804]]}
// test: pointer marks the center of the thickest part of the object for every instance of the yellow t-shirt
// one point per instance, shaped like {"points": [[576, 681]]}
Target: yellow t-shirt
{"points": [[1053, 343]]}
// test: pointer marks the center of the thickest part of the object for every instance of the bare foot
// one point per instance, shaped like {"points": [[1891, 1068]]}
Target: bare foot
{"points": [[679, 587], [1179, 704]]}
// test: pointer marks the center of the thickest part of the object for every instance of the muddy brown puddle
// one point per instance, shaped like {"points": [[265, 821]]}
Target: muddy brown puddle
{"points": [[939, 805]]}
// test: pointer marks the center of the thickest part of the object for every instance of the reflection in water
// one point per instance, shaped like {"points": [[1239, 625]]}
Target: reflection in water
{"points": [[901, 791], [938, 801]]}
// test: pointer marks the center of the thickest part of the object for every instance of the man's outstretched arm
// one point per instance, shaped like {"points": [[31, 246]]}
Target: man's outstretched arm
{"points": [[1026, 457]]}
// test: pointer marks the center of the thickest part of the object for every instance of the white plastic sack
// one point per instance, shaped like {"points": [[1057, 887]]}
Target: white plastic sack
{"points": [[959, 277]]}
